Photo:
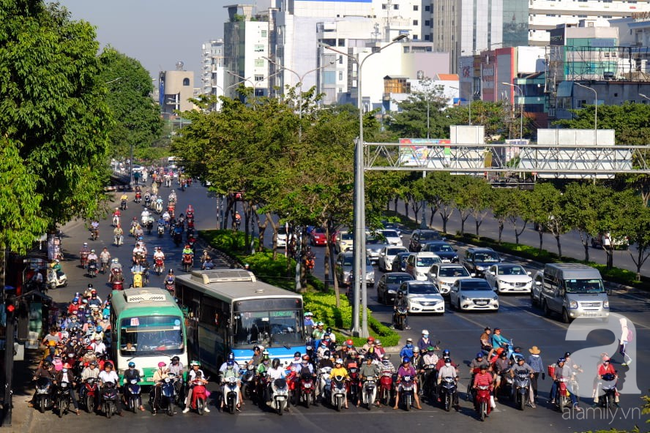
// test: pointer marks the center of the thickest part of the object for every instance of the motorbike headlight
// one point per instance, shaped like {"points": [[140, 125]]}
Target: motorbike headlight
{"points": [[573, 305], [480, 268]]}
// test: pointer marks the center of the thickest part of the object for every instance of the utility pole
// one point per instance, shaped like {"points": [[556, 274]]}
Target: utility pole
{"points": [[10, 309]]}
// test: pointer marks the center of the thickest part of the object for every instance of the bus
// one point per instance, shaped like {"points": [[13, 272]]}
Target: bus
{"points": [[147, 326], [229, 310]]}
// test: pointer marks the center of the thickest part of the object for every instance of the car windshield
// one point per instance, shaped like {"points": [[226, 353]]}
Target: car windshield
{"points": [[396, 279], [282, 230], [395, 251], [151, 335], [269, 328], [390, 233], [458, 271], [422, 289], [429, 236], [374, 241], [512, 270], [584, 286], [319, 231], [477, 285], [427, 262], [348, 260], [486, 257], [347, 236], [441, 247]]}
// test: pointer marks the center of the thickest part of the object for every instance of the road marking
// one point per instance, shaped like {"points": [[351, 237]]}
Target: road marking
{"points": [[530, 313]]}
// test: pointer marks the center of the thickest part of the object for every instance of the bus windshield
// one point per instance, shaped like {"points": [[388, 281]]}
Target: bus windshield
{"points": [[151, 335], [268, 328], [584, 286]]}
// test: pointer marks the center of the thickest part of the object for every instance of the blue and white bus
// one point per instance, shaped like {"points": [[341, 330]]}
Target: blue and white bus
{"points": [[229, 310]]}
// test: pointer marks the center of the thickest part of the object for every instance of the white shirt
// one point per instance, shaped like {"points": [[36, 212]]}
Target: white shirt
{"points": [[107, 377], [276, 373], [447, 371]]}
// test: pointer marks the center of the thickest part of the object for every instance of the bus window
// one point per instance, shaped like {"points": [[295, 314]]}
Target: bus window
{"points": [[152, 335], [269, 328]]}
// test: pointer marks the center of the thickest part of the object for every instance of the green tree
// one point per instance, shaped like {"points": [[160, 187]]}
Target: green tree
{"points": [[137, 122], [548, 211], [480, 197], [52, 101], [582, 203], [419, 114], [441, 188]]}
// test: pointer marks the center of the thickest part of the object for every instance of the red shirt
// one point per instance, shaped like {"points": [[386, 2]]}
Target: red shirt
{"points": [[602, 369], [483, 379]]}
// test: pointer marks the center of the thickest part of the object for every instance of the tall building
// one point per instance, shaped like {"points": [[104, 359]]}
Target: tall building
{"points": [[176, 88], [212, 67]]}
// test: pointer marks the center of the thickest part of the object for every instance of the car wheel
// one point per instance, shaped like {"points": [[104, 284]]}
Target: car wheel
{"points": [[379, 298]]}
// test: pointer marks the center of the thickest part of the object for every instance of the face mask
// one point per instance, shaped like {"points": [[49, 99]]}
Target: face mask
{"points": [[409, 345], [447, 364], [425, 336], [65, 370]]}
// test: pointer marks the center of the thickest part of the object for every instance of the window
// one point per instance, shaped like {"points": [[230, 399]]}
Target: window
{"points": [[340, 75], [186, 81], [383, 6], [263, 34], [427, 37], [427, 23], [415, 22], [416, 8], [259, 77], [427, 8], [259, 63], [415, 37], [396, 7], [259, 48]]}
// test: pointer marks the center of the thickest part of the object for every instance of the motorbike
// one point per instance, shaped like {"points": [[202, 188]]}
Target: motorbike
{"points": [[63, 398], [230, 394], [280, 398], [133, 396], [43, 398], [138, 279], [178, 238], [562, 397], [138, 197], [407, 392], [83, 258], [116, 220], [159, 266], [482, 401], [118, 240], [149, 226], [385, 387], [337, 392], [429, 381], [161, 230], [521, 386], [199, 397], [147, 201], [447, 391], [247, 378], [92, 268], [88, 394], [170, 285], [354, 385], [56, 279], [168, 394], [94, 234], [309, 263], [187, 262], [262, 389], [369, 391], [608, 387], [103, 265], [123, 205], [307, 389], [109, 399], [400, 318], [159, 207]]}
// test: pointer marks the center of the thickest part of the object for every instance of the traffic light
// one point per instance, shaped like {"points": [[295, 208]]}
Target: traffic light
{"points": [[11, 305]]}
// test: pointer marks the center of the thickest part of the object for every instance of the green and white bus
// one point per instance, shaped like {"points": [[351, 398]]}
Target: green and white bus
{"points": [[229, 310], [147, 326]]}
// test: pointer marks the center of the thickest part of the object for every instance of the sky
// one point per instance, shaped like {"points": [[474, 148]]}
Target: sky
{"points": [[158, 33]]}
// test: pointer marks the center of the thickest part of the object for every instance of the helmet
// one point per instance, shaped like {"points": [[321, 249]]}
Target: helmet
{"points": [[161, 364], [349, 343], [386, 357], [297, 355], [90, 286], [339, 361], [99, 329], [503, 354], [195, 362], [230, 363], [416, 349], [378, 343], [567, 354], [231, 357], [483, 367], [92, 251], [85, 244], [265, 355], [328, 330], [479, 355], [131, 364], [371, 339], [115, 260], [108, 365], [406, 360], [327, 354], [561, 360], [305, 358], [400, 294], [520, 359], [175, 359], [425, 332], [447, 360], [446, 353], [171, 271], [93, 363], [276, 363]]}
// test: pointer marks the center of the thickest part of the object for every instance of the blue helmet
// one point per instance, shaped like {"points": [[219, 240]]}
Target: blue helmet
{"points": [[479, 355], [407, 359], [445, 353], [231, 356], [230, 363], [99, 329], [131, 364]]}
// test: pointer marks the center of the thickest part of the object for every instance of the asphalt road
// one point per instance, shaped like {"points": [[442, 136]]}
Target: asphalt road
{"points": [[458, 332]]}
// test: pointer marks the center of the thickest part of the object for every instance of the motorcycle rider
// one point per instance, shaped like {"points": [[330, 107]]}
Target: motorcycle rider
{"points": [[326, 360], [158, 254], [498, 340], [486, 341], [257, 357], [606, 368], [424, 342], [523, 367], [407, 350], [158, 377], [116, 268], [564, 371], [46, 369], [98, 346], [262, 368], [400, 303], [484, 378], [195, 373], [428, 365], [501, 367], [118, 234], [94, 227], [84, 252], [231, 370], [406, 369], [207, 263], [369, 369], [66, 375], [104, 258], [123, 200], [448, 370], [109, 376], [339, 370]]}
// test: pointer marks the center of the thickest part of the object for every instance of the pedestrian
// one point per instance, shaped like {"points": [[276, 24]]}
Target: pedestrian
{"points": [[626, 337], [536, 363]]}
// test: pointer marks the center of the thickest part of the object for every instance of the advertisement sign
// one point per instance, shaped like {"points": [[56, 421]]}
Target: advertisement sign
{"points": [[416, 152]]}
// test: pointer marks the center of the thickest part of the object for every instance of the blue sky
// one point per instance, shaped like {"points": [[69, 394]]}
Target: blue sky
{"points": [[158, 33]]}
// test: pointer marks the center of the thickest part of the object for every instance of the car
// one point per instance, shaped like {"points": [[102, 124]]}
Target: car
{"points": [[509, 278], [282, 237], [477, 260], [399, 262], [387, 256], [343, 269], [374, 245], [392, 237], [444, 275], [444, 250], [620, 243], [473, 294], [344, 242], [393, 226], [318, 236], [418, 264], [389, 284], [423, 297], [419, 237]]}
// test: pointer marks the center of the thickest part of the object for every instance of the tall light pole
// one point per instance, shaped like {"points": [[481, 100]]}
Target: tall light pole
{"points": [[644, 96], [301, 78], [521, 108], [359, 269], [595, 105]]}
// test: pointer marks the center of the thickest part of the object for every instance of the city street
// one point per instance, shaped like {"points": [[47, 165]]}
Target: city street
{"points": [[458, 332]]}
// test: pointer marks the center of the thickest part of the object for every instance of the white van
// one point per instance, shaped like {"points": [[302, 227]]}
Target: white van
{"points": [[572, 290]]}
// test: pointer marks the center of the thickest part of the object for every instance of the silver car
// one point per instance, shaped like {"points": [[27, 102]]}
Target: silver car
{"points": [[473, 294], [387, 255], [444, 275], [343, 269], [509, 278], [374, 247]]}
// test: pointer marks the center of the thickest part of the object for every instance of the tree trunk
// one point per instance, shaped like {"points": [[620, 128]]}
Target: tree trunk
{"points": [[445, 219], [478, 226], [586, 245], [275, 227], [500, 231], [540, 230], [406, 209], [610, 256], [434, 209], [559, 246], [262, 230], [396, 201], [326, 259], [518, 233]]}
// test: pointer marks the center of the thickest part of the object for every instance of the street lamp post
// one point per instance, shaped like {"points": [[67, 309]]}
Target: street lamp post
{"points": [[521, 108], [359, 269], [595, 105], [644, 96]]}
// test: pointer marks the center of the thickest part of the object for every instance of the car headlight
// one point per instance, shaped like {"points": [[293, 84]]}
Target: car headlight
{"points": [[391, 291], [573, 305], [496, 298], [370, 276], [606, 304], [480, 268], [455, 257], [463, 298], [502, 282]]}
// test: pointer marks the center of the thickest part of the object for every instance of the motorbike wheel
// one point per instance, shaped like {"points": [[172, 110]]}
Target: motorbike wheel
{"points": [[41, 405], [562, 401], [483, 408], [231, 405], [200, 406], [408, 402], [339, 403], [280, 408], [447, 402], [63, 407], [307, 400], [90, 404], [133, 406], [522, 402], [108, 409], [170, 408]]}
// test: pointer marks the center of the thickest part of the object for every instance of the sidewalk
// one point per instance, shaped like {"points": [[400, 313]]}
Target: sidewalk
{"points": [[22, 414]]}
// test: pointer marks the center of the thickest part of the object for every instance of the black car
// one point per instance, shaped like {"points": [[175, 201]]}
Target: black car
{"points": [[399, 262], [420, 237], [444, 250], [388, 286], [478, 260]]}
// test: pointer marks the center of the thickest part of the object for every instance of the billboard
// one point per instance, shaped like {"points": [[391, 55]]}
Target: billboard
{"points": [[417, 152]]}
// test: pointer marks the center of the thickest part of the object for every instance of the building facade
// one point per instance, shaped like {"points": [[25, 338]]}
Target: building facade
{"points": [[176, 88]]}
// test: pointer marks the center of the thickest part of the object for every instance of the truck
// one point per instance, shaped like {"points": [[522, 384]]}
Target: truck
{"points": [[571, 290]]}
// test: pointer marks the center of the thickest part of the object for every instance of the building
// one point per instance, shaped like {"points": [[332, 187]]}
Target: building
{"points": [[212, 68], [176, 88], [398, 89]]}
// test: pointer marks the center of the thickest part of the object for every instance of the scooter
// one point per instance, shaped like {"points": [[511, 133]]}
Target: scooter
{"points": [[280, 396], [138, 197], [482, 402], [369, 391], [159, 266], [608, 387], [118, 240], [63, 398], [337, 392], [159, 207], [230, 394], [168, 394], [307, 389], [43, 397], [83, 258], [56, 279], [178, 238], [88, 394], [92, 268], [385, 387], [400, 318], [407, 394], [94, 234], [133, 395], [354, 384], [247, 377], [199, 397], [138, 280], [447, 390], [116, 220], [123, 205], [187, 262], [563, 398], [109, 399], [161, 230], [521, 386]]}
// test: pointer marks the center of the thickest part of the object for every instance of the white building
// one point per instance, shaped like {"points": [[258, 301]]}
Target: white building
{"points": [[212, 68], [397, 90]]}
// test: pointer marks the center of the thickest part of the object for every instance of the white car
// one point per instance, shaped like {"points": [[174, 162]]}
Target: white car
{"points": [[282, 237], [423, 297], [444, 275], [509, 278], [418, 264], [473, 294], [387, 255], [344, 242], [392, 237]]}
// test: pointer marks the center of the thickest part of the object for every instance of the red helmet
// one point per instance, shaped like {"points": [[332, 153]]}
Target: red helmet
{"points": [[371, 339], [305, 358], [349, 343]]}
